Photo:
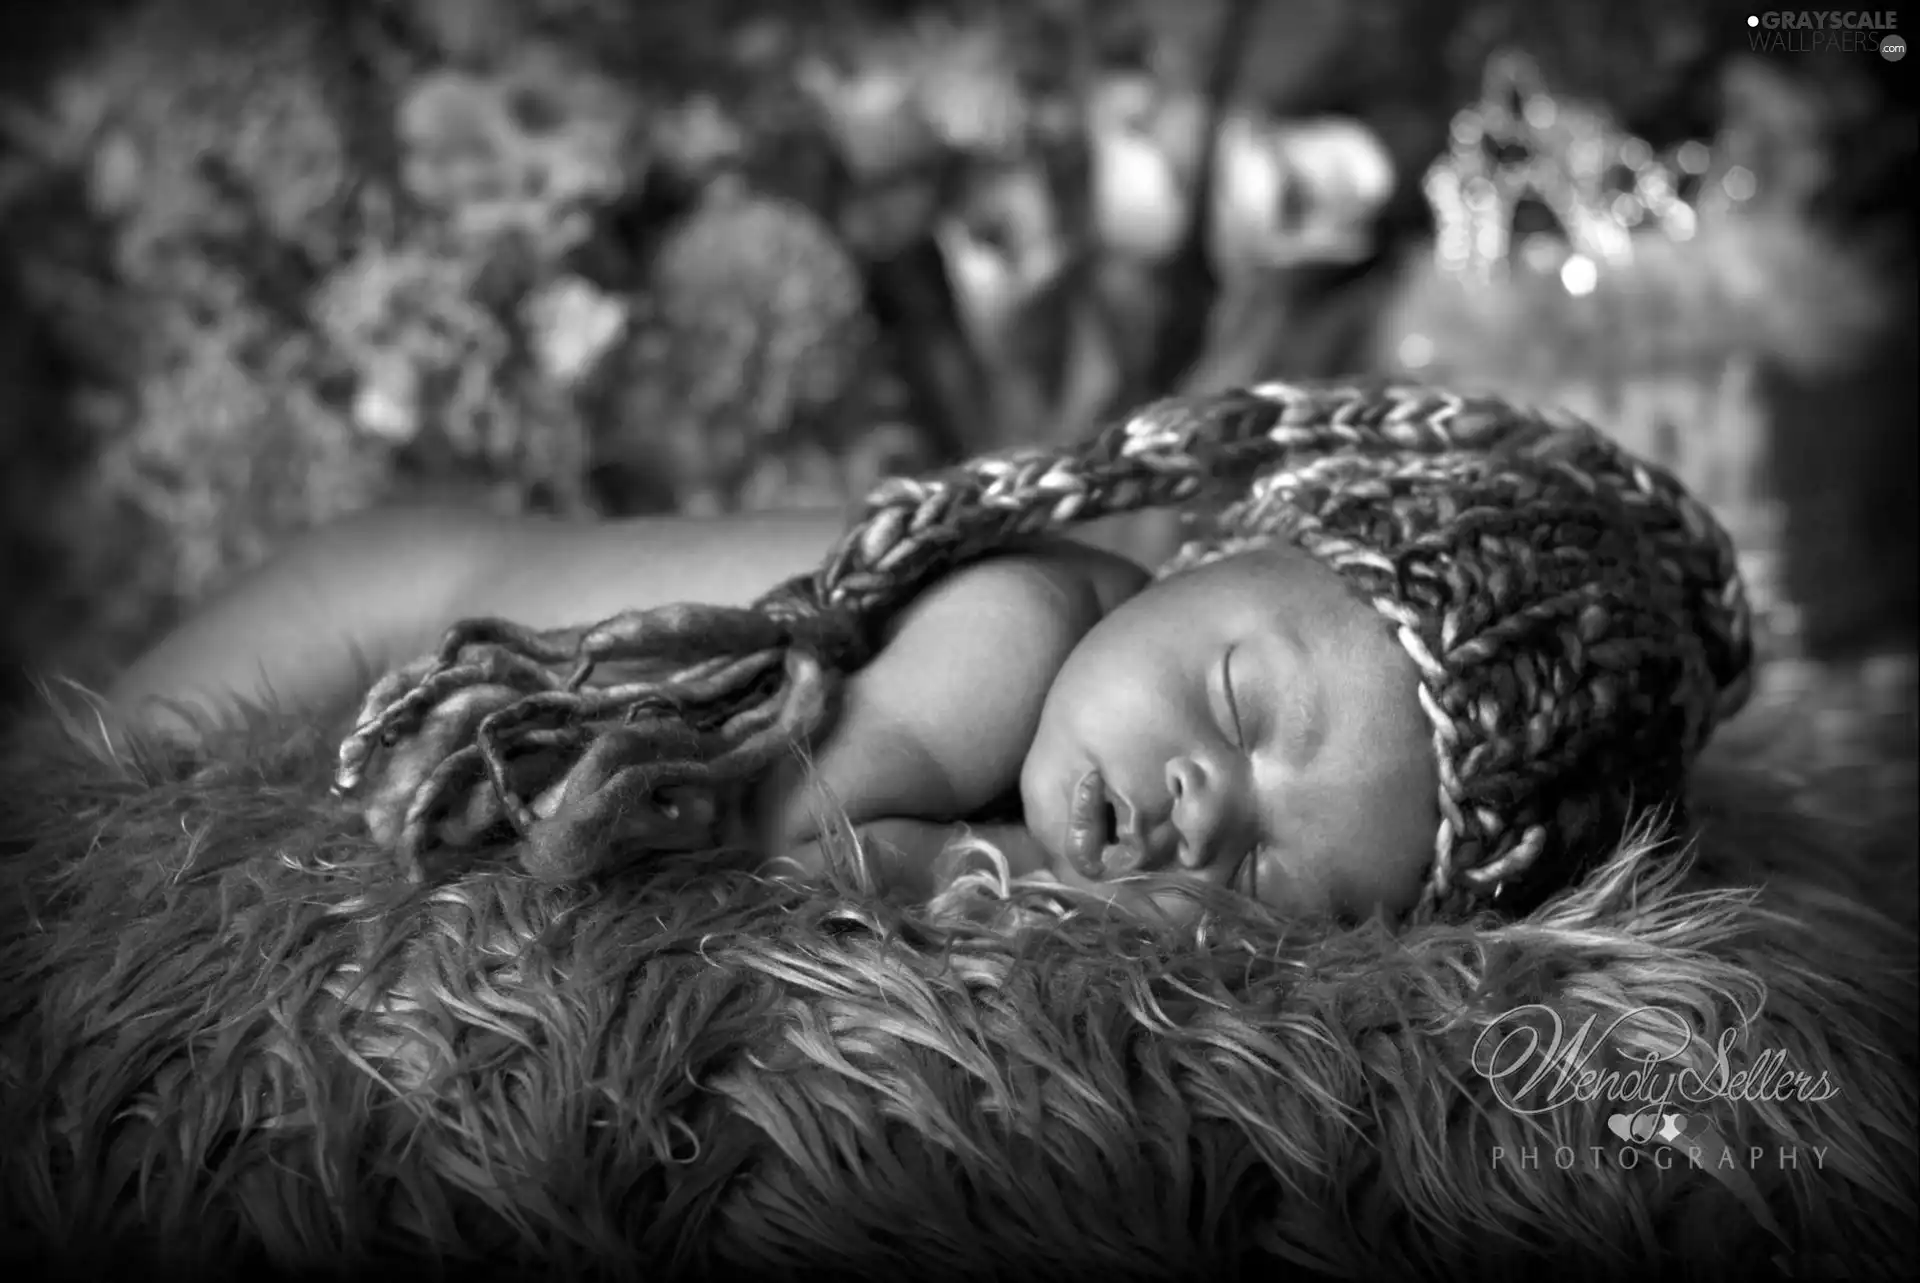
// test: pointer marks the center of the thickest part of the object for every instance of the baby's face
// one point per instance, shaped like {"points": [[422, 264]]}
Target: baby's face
{"points": [[1249, 724]]}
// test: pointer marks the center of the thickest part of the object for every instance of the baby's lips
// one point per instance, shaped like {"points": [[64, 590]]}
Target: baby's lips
{"points": [[1086, 838]]}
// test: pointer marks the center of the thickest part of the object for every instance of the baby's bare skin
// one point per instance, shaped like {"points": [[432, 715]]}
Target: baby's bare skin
{"points": [[377, 590], [1024, 674]]}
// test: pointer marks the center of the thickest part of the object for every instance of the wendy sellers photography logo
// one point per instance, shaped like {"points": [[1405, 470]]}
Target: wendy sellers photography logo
{"points": [[1527, 1050], [1659, 1108], [1827, 31]]}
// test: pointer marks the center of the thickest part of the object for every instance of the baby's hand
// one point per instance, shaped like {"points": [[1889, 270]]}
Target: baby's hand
{"points": [[937, 726]]}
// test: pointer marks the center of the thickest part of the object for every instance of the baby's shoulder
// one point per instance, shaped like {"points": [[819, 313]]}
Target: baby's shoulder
{"points": [[1038, 599], [1111, 578], [1078, 584]]}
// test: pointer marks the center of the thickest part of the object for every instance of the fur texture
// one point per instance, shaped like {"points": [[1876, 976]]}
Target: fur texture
{"points": [[233, 1040]]}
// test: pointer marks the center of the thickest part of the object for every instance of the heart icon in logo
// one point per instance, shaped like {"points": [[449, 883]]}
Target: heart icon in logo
{"points": [[1635, 1128], [1685, 1127], [1652, 1125]]}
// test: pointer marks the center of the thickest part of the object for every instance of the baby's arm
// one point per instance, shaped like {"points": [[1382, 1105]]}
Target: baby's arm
{"points": [[346, 602], [349, 601], [931, 732]]}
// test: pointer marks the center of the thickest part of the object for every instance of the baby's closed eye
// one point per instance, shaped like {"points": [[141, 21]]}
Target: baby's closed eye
{"points": [[1278, 702], [1234, 721]]}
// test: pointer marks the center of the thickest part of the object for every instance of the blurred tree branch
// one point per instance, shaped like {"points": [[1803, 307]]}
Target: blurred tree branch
{"points": [[1188, 287]]}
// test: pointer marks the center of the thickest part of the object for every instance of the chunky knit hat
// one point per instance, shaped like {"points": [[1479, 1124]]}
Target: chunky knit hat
{"points": [[1577, 618]]}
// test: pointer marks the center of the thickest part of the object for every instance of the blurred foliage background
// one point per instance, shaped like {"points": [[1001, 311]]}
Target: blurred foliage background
{"points": [[268, 264]]}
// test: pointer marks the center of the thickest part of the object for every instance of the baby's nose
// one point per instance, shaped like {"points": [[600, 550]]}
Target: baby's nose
{"points": [[1200, 804]]}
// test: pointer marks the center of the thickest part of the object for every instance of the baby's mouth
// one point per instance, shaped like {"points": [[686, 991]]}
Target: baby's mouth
{"points": [[1103, 838]]}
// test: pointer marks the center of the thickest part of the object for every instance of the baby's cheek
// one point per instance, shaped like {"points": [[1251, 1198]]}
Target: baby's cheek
{"points": [[1101, 690], [1392, 845], [1363, 839], [1395, 808]]}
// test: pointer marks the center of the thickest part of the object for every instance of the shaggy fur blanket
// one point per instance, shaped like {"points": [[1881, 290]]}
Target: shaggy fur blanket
{"points": [[233, 1043]]}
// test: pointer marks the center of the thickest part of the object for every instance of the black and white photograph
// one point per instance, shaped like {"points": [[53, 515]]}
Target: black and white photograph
{"points": [[1127, 640]]}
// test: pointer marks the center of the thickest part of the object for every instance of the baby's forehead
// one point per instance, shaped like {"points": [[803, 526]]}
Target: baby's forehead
{"points": [[1264, 576], [1250, 564]]}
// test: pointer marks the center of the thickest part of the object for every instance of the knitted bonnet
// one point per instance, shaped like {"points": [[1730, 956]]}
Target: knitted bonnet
{"points": [[1577, 619]]}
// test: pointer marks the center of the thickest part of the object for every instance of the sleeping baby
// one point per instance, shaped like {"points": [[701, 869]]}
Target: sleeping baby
{"points": [[1434, 655]]}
